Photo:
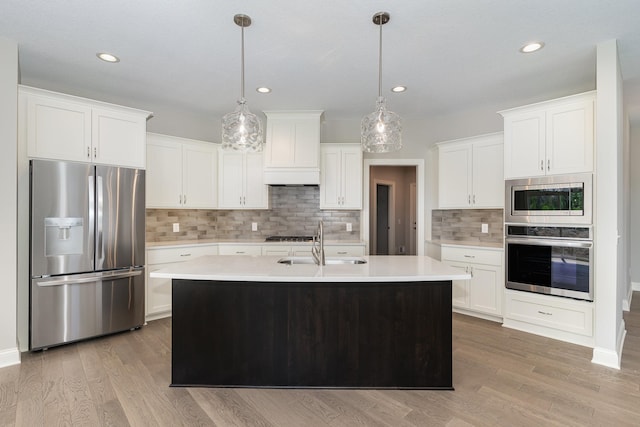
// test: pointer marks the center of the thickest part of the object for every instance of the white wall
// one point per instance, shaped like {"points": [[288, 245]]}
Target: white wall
{"points": [[609, 232], [634, 202], [9, 353]]}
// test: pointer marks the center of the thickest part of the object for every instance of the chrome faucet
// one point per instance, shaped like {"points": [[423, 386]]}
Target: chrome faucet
{"points": [[317, 251]]}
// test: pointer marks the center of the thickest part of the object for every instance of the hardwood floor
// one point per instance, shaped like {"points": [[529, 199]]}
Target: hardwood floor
{"points": [[501, 376]]}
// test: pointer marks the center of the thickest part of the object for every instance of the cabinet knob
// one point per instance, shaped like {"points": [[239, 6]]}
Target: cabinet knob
{"points": [[95, 152], [474, 199], [469, 199], [541, 165], [88, 152], [184, 199], [549, 164]]}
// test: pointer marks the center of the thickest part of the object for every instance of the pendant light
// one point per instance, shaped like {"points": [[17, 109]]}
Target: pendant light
{"points": [[241, 129], [382, 129]]}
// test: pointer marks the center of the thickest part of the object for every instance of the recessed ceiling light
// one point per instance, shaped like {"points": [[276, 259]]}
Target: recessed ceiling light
{"points": [[531, 47], [107, 57], [263, 89], [398, 89]]}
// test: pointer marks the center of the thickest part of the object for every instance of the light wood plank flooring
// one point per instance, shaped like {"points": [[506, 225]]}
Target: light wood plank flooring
{"points": [[501, 376]]}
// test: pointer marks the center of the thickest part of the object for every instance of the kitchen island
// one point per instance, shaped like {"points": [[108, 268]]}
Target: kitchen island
{"points": [[243, 321]]}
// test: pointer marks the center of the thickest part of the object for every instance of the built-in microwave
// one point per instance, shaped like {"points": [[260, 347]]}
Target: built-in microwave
{"points": [[558, 199]]}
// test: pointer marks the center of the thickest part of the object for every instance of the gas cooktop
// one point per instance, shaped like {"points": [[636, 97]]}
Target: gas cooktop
{"points": [[289, 239]]}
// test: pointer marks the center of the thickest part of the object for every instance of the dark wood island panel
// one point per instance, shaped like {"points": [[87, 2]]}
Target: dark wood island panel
{"points": [[320, 334]]}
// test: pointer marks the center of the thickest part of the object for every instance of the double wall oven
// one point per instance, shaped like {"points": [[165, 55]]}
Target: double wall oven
{"points": [[549, 235]]}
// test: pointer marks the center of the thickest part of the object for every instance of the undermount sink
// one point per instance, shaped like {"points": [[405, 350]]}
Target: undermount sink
{"points": [[328, 261]]}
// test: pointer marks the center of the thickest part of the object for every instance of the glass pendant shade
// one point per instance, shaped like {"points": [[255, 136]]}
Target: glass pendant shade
{"points": [[381, 130], [241, 129]]}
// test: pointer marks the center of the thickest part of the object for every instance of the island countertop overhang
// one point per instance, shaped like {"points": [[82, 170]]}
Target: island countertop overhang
{"points": [[267, 269]]}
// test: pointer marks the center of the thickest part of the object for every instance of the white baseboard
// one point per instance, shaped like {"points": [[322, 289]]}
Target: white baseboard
{"points": [[611, 358], [626, 301], [635, 286], [10, 356]]}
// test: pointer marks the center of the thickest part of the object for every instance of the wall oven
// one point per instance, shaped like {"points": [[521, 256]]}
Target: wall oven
{"points": [[555, 260], [560, 199]]}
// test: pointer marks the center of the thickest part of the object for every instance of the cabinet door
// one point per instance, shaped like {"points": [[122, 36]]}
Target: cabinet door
{"points": [[330, 179], [164, 173], [255, 191], [118, 138], [58, 129], [158, 293], [485, 289], [199, 176], [488, 175], [230, 179], [351, 178], [459, 288], [292, 141], [570, 131], [524, 144], [343, 250], [454, 176]]}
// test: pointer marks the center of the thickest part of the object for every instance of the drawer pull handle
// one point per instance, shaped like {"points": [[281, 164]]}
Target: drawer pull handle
{"points": [[342, 253], [239, 252], [185, 254], [545, 313], [469, 256]]}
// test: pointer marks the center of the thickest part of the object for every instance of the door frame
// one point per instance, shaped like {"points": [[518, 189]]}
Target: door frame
{"points": [[391, 244], [420, 183]]}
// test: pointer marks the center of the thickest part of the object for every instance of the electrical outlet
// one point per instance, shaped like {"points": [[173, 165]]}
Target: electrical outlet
{"points": [[402, 249], [349, 227], [254, 226], [485, 228], [176, 227]]}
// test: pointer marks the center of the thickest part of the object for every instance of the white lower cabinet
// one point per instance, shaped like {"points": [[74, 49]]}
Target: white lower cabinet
{"points": [[482, 294], [225, 249], [550, 316], [284, 250], [343, 250], [158, 291]]}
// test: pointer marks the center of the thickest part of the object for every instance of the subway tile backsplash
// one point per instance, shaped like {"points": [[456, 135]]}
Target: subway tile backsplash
{"points": [[465, 225], [294, 211]]}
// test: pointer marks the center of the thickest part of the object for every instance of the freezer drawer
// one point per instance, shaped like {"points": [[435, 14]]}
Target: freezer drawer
{"points": [[74, 307]]}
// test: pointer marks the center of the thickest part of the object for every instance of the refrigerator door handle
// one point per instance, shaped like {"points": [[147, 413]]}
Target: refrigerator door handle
{"points": [[99, 213], [91, 208], [94, 278]]}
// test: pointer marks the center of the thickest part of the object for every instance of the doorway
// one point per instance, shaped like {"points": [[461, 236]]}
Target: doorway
{"points": [[392, 207], [383, 209]]}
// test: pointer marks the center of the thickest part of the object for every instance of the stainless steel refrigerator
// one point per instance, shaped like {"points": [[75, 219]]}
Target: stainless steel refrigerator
{"points": [[87, 251]]}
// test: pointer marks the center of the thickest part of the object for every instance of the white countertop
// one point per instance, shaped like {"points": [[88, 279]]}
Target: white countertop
{"points": [[261, 242], [267, 269]]}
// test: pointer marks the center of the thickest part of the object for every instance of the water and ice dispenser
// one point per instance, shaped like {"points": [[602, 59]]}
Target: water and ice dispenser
{"points": [[63, 236]]}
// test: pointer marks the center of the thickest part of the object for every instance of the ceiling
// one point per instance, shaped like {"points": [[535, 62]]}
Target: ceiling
{"points": [[181, 59]]}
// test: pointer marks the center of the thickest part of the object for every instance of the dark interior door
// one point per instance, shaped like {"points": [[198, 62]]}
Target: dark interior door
{"points": [[382, 222]]}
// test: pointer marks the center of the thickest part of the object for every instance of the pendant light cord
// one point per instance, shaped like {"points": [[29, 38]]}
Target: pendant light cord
{"points": [[380, 61], [242, 66]]}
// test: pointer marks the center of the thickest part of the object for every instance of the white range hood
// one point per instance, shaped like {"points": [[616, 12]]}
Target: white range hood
{"points": [[292, 148]]}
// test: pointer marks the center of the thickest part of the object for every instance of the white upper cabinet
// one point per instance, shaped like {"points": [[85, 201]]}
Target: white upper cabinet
{"points": [[241, 181], [471, 173], [292, 147], [181, 173], [341, 176], [65, 127], [550, 138]]}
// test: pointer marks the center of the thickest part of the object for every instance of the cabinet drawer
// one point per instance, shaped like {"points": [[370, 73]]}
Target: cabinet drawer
{"points": [[552, 312], [472, 255], [339, 250], [178, 254], [240, 250]]}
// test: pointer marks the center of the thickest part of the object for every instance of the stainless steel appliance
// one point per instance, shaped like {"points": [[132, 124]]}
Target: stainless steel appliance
{"points": [[550, 260], [289, 239], [560, 199], [87, 251]]}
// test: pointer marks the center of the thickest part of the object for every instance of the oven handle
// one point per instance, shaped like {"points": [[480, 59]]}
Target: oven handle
{"points": [[551, 242]]}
